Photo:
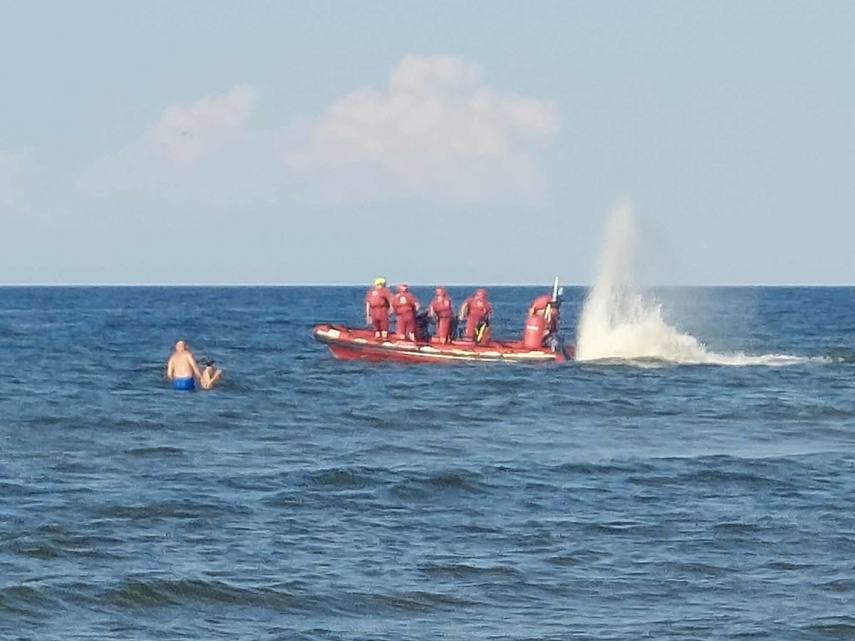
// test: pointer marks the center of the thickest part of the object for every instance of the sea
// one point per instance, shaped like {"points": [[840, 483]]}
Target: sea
{"points": [[692, 477]]}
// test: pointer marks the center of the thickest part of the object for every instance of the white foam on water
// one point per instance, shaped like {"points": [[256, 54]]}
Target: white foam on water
{"points": [[621, 321]]}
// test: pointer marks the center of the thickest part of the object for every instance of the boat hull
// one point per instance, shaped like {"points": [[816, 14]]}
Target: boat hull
{"points": [[358, 344]]}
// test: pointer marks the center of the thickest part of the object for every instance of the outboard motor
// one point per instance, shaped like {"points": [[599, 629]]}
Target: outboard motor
{"points": [[553, 343], [569, 352]]}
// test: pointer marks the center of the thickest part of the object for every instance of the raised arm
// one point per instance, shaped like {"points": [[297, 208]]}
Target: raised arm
{"points": [[464, 310]]}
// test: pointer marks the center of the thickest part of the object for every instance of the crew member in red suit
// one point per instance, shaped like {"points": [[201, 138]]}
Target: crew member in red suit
{"points": [[474, 310], [546, 307], [442, 309], [378, 300], [405, 305]]}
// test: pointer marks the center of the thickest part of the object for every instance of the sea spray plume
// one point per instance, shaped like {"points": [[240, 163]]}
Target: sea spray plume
{"points": [[620, 320]]}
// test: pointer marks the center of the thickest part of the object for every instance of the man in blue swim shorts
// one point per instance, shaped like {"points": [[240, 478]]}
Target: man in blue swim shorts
{"points": [[182, 369]]}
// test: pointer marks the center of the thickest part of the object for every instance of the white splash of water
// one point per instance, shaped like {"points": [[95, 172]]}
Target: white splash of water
{"points": [[620, 321]]}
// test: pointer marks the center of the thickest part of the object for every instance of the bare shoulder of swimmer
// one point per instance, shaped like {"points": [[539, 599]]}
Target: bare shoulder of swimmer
{"points": [[178, 356], [181, 364]]}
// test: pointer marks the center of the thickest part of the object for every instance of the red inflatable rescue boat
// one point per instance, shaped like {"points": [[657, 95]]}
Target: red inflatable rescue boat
{"points": [[360, 344], [540, 342]]}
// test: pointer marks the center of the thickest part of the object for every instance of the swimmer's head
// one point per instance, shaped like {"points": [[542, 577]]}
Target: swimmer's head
{"points": [[209, 363], [180, 346], [379, 282], [403, 288], [481, 293], [440, 291]]}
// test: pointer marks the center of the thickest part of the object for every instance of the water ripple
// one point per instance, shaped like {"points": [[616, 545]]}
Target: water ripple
{"points": [[307, 498]]}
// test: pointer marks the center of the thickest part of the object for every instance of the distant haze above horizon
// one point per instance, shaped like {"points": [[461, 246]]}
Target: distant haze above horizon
{"points": [[443, 143]]}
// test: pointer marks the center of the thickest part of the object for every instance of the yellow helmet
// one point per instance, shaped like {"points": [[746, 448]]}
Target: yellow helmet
{"points": [[379, 281]]}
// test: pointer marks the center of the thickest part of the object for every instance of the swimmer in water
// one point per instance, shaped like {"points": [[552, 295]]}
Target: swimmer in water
{"points": [[210, 376], [182, 368]]}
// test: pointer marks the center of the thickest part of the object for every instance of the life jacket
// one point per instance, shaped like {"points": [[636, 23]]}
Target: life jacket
{"points": [[442, 307], [479, 307], [404, 303], [534, 331], [548, 308], [378, 297]]}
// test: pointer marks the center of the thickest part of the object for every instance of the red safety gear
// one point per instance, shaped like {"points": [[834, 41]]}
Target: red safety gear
{"points": [[379, 297], [534, 332], [405, 305], [443, 309], [548, 308], [475, 309], [539, 304], [378, 300]]}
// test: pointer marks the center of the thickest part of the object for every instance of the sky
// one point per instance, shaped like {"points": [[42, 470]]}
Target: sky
{"points": [[479, 142]]}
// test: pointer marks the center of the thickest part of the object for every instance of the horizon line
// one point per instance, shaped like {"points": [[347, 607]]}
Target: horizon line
{"points": [[368, 284]]}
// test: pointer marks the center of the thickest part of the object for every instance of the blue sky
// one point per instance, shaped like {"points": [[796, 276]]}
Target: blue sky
{"points": [[442, 142]]}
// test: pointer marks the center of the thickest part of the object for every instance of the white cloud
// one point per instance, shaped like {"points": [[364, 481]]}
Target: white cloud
{"points": [[437, 132], [187, 133], [204, 151], [13, 179]]}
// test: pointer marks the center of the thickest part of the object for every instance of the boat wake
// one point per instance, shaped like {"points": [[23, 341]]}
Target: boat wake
{"points": [[622, 322]]}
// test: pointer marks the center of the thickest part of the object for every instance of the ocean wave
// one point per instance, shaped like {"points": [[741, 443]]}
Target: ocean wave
{"points": [[27, 601], [441, 484], [631, 529], [186, 509], [343, 478], [34, 549], [841, 355], [407, 603], [52, 542], [711, 478], [472, 573], [838, 585], [156, 451], [842, 627], [155, 592]]}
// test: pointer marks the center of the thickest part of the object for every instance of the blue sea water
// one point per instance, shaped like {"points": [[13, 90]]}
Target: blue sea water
{"points": [[306, 498]]}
